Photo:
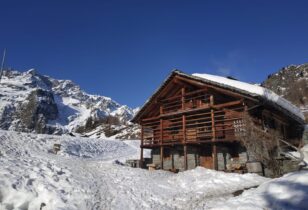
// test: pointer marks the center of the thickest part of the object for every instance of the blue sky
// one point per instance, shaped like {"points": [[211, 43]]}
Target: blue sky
{"points": [[125, 49]]}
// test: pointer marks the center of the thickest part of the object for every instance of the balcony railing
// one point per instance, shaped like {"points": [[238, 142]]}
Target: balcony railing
{"points": [[190, 100], [204, 126]]}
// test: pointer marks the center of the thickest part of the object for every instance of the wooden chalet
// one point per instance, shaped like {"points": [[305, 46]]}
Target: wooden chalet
{"points": [[193, 120]]}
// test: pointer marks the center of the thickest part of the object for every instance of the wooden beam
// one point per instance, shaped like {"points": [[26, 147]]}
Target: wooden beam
{"points": [[212, 100], [185, 157], [214, 148], [162, 157], [216, 106], [190, 81], [161, 143], [153, 110], [161, 131], [201, 142], [141, 157], [215, 165], [162, 100], [161, 110], [196, 91], [222, 90], [142, 134], [169, 89], [231, 103], [181, 82], [184, 141], [184, 127], [183, 98], [166, 88], [141, 147]]}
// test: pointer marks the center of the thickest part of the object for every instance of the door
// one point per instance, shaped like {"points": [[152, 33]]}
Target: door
{"points": [[206, 159]]}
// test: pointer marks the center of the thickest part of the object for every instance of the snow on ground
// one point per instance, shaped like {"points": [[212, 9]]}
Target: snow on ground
{"points": [[289, 192], [305, 152], [136, 145], [86, 175], [296, 154]]}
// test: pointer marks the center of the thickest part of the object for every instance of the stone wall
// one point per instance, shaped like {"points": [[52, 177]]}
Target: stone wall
{"points": [[174, 157]]}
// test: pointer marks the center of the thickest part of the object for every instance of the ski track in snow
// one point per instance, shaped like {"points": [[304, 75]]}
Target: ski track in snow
{"points": [[84, 175]]}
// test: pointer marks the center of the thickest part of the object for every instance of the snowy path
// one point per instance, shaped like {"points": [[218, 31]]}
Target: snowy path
{"points": [[84, 176]]}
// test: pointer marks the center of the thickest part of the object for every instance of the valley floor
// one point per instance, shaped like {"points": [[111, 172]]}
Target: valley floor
{"points": [[87, 174]]}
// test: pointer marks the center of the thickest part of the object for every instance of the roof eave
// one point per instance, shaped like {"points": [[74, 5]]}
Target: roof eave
{"points": [[145, 105], [245, 94]]}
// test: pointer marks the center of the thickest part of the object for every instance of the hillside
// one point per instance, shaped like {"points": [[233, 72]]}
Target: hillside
{"points": [[31, 102], [88, 174], [291, 82]]}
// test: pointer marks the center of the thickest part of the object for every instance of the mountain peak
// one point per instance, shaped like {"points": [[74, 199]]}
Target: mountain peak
{"points": [[31, 102], [33, 72]]}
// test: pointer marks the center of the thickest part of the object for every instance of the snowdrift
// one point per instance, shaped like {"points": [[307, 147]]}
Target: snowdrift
{"points": [[84, 175]]}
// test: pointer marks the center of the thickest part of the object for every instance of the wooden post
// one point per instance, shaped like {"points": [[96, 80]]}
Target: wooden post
{"points": [[161, 157], [185, 157], [214, 147], [245, 107], [211, 100], [141, 149], [161, 131], [161, 145], [183, 98], [184, 141], [184, 128]]}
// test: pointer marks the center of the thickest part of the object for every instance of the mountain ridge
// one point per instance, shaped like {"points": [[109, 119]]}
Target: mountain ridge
{"points": [[291, 82], [31, 102]]}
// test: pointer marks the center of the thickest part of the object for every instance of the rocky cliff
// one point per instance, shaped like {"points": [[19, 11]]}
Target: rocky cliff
{"points": [[31, 102], [291, 82]]}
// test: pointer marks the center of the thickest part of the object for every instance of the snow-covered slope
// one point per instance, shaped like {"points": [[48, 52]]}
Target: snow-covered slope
{"points": [[35, 103], [86, 175], [289, 192]]}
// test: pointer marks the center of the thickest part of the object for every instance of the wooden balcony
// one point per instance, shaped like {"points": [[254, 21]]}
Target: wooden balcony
{"points": [[193, 127], [185, 101]]}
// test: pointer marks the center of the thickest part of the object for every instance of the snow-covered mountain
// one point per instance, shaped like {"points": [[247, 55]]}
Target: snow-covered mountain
{"points": [[31, 102], [291, 82]]}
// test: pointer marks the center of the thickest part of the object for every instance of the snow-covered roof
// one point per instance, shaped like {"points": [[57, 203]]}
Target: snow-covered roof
{"points": [[252, 90]]}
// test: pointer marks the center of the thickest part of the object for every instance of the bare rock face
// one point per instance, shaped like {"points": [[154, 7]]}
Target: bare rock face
{"points": [[38, 108], [291, 82], [31, 102], [7, 116]]}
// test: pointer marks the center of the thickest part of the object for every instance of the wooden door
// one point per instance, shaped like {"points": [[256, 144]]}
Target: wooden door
{"points": [[206, 159]]}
